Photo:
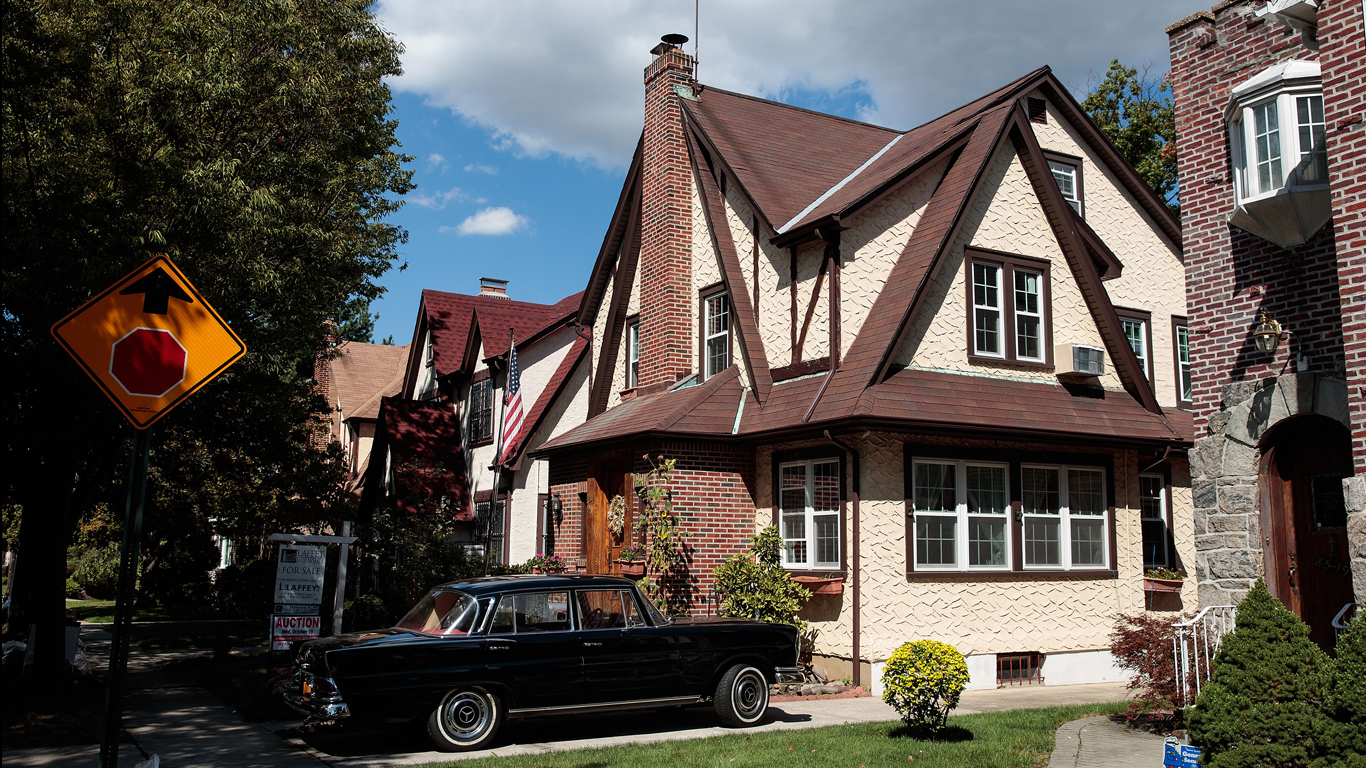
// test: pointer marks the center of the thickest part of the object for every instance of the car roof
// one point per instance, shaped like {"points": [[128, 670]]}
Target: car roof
{"points": [[494, 585]]}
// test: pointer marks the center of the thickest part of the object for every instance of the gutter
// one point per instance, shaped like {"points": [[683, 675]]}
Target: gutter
{"points": [[854, 571]]}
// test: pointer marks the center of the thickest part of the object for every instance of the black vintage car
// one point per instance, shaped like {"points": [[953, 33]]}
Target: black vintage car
{"points": [[474, 653]]}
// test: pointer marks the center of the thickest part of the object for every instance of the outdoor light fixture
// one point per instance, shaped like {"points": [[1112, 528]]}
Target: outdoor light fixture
{"points": [[557, 508], [1268, 334]]}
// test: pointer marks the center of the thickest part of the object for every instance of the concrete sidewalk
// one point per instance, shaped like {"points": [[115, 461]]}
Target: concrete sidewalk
{"points": [[1099, 742]]}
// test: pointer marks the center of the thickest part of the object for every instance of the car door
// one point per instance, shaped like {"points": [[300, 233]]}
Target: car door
{"points": [[532, 647], [624, 658]]}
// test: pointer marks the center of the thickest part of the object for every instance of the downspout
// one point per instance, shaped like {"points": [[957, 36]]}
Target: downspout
{"points": [[854, 571]]}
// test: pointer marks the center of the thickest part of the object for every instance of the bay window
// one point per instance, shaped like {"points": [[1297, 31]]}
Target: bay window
{"points": [[809, 505], [961, 515]]}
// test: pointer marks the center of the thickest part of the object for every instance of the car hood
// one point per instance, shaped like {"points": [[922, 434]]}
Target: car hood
{"points": [[370, 637]]}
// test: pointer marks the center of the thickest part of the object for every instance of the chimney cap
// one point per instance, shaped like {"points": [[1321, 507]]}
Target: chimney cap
{"points": [[674, 39]]}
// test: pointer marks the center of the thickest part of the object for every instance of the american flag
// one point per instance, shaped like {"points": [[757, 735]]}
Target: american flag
{"points": [[512, 420]]}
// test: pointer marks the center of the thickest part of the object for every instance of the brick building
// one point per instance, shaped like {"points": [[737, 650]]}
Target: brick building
{"points": [[1270, 100], [947, 363]]}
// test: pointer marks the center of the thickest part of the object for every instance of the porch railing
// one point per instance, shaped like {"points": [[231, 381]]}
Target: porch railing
{"points": [[1194, 645], [1343, 621]]}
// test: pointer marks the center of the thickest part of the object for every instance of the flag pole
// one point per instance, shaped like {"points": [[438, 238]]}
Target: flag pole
{"points": [[498, 461]]}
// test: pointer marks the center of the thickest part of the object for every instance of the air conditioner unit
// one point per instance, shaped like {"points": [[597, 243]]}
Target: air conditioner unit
{"points": [[1079, 361]]}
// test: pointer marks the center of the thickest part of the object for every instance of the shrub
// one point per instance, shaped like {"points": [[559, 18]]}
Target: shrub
{"points": [[922, 681], [73, 588], [367, 612], [1344, 702], [1261, 706], [757, 587], [1143, 645], [98, 572]]}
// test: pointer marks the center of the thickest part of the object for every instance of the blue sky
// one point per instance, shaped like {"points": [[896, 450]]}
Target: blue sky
{"points": [[522, 114]]}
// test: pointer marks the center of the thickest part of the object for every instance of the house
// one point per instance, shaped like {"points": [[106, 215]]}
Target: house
{"points": [[1271, 127], [945, 362], [353, 381], [442, 432]]}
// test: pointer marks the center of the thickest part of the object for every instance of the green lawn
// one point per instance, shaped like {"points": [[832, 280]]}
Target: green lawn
{"points": [[1021, 738], [179, 627]]}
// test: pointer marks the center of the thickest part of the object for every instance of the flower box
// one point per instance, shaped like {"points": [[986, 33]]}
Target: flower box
{"points": [[1162, 585], [822, 585], [631, 569]]}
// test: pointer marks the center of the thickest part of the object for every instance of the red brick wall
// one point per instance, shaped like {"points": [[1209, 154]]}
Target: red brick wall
{"points": [[1231, 275], [666, 226], [1343, 59], [569, 479]]}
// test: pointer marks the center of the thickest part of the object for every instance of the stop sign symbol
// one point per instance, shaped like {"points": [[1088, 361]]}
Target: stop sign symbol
{"points": [[148, 362]]}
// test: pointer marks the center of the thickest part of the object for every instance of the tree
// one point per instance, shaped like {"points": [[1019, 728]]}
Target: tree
{"points": [[1137, 116], [250, 140]]}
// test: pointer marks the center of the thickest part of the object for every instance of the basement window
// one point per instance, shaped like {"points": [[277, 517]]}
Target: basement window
{"points": [[1023, 668]]}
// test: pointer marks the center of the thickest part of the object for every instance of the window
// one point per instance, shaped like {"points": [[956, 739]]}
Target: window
{"points": [[633, 355], [430, 353], [809, 496], [443, 612], [1069, 182], [481, 411], [492, 523], [535, 612], [1276, 129], [962, 518], [546, 528], [1138, 332], [1063, 517], [608, 609], [1009, 319], [1182, 354], [1152, 511], [1313, 147], [715, 334]]}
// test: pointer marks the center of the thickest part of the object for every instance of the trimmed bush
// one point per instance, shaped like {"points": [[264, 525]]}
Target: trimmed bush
{"points": [[1261, 707], [1344, 703], [97, 572], [757, 587], [922, 681]]}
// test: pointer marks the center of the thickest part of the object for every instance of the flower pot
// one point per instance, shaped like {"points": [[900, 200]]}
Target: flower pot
{"points": [[631, 569], [821, 586], [1162, 585]]}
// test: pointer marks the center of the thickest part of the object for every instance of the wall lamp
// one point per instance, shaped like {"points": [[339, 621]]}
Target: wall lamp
{"points": [[557, 508], [1267, 335]]}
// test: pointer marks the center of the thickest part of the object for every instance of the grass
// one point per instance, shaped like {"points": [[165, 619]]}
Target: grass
{"points": [[242, 681], [1021, 738], [179, 627]]}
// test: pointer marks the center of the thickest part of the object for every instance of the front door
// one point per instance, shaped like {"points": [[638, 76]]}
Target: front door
{"points": [[607, 480], [1304, 520]]}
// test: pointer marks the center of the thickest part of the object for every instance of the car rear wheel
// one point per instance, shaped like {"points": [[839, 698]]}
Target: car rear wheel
{"points": [[741, 697], [464, 720]]}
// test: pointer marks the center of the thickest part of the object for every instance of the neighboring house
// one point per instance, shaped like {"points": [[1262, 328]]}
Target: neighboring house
{"points": [[1271, 127], [441, 434], [942, 361], [353, 382]]}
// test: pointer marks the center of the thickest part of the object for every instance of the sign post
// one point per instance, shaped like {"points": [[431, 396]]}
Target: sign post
{"points": [[149, 341]]}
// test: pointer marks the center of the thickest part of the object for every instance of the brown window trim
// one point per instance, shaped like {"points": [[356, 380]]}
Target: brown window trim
{"points": [[808, 454], [1075, 162], [703, 294], [1147, 319], [1179, 321], [1017, 572], [1165, 470], [632, 321], [1008, 263]]}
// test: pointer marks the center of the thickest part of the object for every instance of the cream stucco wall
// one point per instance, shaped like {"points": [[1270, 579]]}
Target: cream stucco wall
{"points": [[706, 272], [977, 617], [569, 411], [1154, 277], [1006, 217]]}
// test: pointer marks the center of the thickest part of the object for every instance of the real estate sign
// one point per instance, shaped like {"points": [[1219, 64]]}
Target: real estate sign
{"points": [[293, 629], [299, 575]]}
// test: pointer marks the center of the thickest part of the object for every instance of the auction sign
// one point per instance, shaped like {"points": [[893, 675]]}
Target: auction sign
{"points": [[293, 629]]}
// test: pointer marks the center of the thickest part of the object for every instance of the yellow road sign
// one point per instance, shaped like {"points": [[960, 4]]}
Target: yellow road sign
{"points": [[149, 340]]}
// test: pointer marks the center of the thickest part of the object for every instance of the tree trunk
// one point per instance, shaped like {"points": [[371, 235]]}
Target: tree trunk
{"points": [[40, 578]]}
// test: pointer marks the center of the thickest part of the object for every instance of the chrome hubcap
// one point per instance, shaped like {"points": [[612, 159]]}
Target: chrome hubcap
{"points": [[465, 716], [751, 693]]}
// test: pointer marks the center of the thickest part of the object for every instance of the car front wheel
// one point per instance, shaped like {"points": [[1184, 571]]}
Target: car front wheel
{"points": [[464, 720], [741, 697]]}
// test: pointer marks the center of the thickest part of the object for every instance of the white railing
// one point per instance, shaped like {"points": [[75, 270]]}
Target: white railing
{"points": [[1194, 645], [1343, 621]]}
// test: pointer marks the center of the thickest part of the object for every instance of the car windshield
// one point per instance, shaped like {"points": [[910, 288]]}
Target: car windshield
{"points": [[656, 615], [443, 612]]}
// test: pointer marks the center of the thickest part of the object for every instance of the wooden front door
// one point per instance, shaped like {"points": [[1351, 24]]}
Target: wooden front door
{"points": [[1304, 520], [605, 481]]}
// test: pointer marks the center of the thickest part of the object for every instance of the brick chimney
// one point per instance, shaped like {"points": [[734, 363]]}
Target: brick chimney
{"points": [[667, 305], [493, 287]]}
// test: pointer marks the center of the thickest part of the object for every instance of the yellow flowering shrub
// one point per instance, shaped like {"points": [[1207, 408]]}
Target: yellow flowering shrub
{"points": [[923, 681]]}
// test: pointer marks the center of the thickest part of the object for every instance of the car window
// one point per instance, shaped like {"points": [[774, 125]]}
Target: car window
{"points": [[607, 609], [502, 618], [443, 612], [656, 615], [534, 612]]}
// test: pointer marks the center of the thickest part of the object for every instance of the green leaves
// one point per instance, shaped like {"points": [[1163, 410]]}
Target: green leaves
{"points": [[1137, 116], [757, 587], [922, 681]]}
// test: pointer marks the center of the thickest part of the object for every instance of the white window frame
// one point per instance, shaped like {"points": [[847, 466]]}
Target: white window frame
{"points": [[1064, 517], [723, 299], [998, 309], [961, 516], [1162, 518], [1183, 364], [633, 355], [1038, 317], [809, 517], [1063, 170], [1144, 355], [1282, 85]]}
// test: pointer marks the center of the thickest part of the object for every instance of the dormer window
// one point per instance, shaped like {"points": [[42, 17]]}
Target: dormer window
{"points": [[1280, 160]]}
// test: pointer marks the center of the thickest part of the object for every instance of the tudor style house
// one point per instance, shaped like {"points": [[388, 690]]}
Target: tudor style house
{"points": [[948, 363], [438, 441], [353, 381], [1271, 136]]}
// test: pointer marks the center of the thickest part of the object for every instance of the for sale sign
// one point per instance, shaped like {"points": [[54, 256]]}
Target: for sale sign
{"points": [[292, 629], [299, 576]]}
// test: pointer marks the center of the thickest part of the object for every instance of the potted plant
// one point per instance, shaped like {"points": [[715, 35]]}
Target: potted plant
{"points": [[631, 562], [826, 584], [546, 564], [1162, 580]]}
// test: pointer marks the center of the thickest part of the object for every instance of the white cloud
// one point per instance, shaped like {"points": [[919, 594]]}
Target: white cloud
{"points": [[439, 200], [491, 221], [435, 161], [491, 170], [565, 77]]}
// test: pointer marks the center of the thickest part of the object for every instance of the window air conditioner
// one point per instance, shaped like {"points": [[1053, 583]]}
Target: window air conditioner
{"points": [[1079, 361]]}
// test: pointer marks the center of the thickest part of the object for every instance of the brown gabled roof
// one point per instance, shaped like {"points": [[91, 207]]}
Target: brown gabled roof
{"points": [[450, 318], [428, 462], [362, 373]]}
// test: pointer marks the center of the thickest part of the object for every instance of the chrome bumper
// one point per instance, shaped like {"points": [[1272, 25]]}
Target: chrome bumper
{"points": [[316, 710], [789, 675]]}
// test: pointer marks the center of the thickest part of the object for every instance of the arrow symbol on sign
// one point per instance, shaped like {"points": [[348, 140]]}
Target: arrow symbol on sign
{"points": [[157, 290]]}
